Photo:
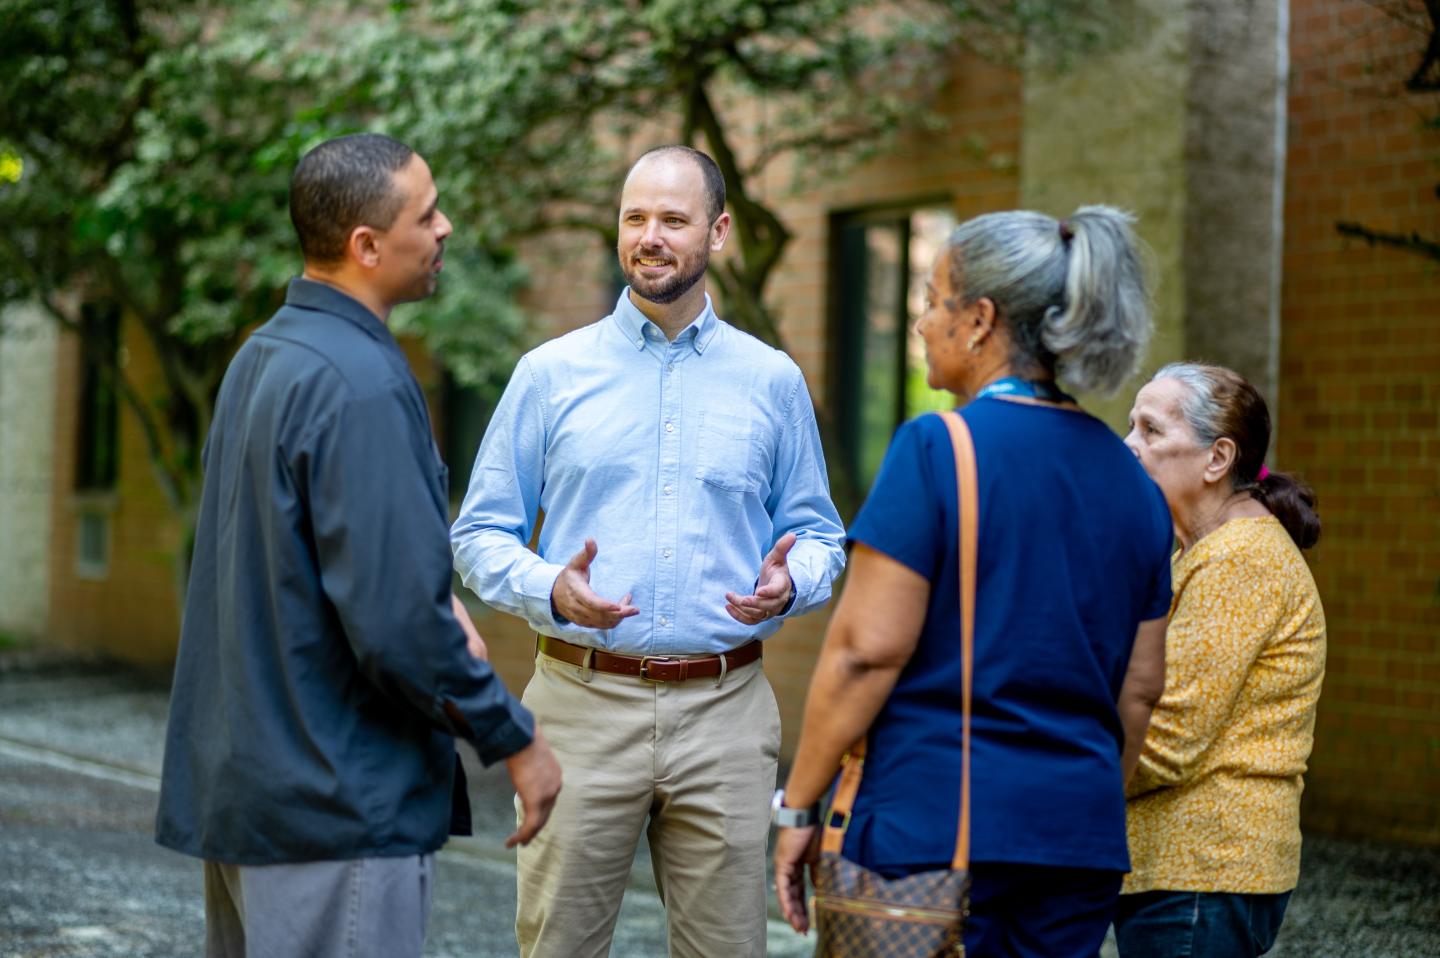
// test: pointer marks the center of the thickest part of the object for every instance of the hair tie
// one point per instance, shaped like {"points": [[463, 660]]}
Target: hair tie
{"points": [[1262, 474], [1066, 233]]}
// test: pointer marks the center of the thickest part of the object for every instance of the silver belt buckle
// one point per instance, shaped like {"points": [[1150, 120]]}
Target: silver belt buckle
{"points": [[645, 661]]}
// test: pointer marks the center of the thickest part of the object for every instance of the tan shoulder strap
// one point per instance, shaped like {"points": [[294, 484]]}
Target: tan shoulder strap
{"points": [[968, 493], [967, 485]]}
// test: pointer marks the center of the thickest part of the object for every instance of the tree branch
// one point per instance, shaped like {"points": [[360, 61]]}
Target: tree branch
{"points": [[171, 481], [762, 235], [1419, 80], [1413, 243]]}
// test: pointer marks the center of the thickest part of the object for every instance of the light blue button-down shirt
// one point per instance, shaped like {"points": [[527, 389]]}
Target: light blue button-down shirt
{"points": [[684, 460]]}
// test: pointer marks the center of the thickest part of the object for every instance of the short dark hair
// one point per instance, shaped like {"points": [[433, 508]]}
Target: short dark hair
{"points": [[714, 179], [341, 184]]}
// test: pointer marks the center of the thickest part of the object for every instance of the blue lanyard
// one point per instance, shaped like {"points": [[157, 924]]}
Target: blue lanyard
{"points": [[1027, 388]]}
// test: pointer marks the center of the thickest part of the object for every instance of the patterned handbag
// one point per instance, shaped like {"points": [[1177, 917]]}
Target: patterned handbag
{"points": [[859, 914]]}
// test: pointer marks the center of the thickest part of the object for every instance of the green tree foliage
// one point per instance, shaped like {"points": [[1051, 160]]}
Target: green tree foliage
{"points": [[145, 153], [546, 101], [145, 147]]}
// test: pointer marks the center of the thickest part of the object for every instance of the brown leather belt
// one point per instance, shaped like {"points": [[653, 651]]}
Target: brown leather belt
{"points": [[652, 668]]}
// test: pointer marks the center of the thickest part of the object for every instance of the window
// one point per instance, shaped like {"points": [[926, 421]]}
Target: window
{"points": [[880, 260], [97, 435], [92, 548], [465, 414], [97, 455]]}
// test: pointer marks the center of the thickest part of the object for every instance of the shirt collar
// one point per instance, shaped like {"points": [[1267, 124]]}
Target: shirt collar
{"points": [[632, 324], [308, 294]]}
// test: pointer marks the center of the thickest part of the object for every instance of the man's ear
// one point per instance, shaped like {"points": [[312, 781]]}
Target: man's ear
{"points": [[719, 230], [364, 246], [1221, 459]]}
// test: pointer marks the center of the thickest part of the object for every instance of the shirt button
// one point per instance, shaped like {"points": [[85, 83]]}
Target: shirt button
{"points": [[665, 553], [664, 621], [669, 367], [667, 490], [669, 427], [640, 341]]}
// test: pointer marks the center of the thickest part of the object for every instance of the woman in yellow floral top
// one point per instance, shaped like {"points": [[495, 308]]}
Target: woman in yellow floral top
{"points": [[1214, 808]]}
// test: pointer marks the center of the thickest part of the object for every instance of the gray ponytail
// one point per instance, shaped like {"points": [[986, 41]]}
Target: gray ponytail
{"points": [[1072, 293]]}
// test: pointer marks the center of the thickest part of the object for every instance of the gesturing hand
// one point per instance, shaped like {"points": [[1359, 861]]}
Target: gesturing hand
{"points": [[772, 591], [573, 598]]}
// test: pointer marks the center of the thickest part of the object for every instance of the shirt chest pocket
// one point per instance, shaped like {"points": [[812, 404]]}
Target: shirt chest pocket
{"points": [[728, 456]]}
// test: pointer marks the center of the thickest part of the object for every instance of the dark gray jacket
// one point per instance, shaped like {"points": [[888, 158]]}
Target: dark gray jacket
{"points": [[321, 676]]}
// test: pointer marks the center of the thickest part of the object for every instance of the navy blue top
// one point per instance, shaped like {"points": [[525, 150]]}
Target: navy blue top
{"points": [[1074, 553], [321, 676]]}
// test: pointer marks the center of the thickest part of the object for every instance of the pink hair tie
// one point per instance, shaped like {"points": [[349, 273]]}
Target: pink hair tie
{"points": [[1262, 474]]}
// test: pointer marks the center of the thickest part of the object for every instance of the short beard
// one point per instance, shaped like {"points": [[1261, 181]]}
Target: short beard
{"points": [[671, 289]]}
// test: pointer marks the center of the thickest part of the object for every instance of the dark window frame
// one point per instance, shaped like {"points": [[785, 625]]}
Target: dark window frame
{"points": [[845, 286], [97, 420]]}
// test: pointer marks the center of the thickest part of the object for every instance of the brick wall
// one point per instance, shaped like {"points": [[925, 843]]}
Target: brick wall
{"points": [[132, 611], [1359, 392]]}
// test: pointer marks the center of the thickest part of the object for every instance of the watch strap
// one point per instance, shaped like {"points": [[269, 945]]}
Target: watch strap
{"points": [[783, 816]]}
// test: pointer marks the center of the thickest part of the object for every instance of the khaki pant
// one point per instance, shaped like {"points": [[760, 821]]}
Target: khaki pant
{"points": [[698, 761]]}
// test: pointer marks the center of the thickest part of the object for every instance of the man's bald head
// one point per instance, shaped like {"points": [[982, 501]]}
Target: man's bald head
{"points": [[710, 173]]}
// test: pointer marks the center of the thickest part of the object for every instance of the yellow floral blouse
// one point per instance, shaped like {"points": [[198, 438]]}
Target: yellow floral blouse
{"points": [[1215, 803]]}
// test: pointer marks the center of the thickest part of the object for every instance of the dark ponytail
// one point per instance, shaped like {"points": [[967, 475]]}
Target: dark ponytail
{"points": [[1293, 503], [1220, 403]]}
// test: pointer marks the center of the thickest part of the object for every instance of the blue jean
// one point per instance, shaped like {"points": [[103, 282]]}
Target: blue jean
{"points": [[1034, 911], [1189, 924]]}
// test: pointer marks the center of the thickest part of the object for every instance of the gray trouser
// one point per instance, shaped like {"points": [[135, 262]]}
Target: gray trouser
{"points": [[341, 909]]}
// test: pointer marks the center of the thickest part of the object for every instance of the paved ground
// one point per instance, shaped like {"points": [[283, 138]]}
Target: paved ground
{"points": [[80, 753]]}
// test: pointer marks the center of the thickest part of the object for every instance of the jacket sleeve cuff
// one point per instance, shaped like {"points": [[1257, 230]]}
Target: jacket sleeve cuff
{"points": [[508, 737]]}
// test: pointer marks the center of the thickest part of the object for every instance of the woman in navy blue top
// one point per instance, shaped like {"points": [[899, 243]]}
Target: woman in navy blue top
{"points": [[1073, 586]]}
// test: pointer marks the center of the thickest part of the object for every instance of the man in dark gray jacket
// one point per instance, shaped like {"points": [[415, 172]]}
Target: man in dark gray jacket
{"points": [[323, 671]]}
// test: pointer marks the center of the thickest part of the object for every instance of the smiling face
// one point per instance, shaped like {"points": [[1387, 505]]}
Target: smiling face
{"points": [[665, 237], [412, 249], [1166, 445]]}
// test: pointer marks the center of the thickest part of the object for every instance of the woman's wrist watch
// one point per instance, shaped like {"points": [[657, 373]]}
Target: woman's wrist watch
{"points": [[784, 817]]}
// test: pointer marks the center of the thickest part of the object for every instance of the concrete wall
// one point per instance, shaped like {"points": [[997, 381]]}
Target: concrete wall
{"points": [[1234, 181], [1179, 121], [27, 444], [1111, 128]]}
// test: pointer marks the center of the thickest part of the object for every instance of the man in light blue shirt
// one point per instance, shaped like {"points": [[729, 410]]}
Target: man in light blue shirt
{"points": [[687, 512]]}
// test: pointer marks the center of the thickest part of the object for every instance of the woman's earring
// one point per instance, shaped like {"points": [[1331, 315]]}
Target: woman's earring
{"points": [[974, 341]]}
